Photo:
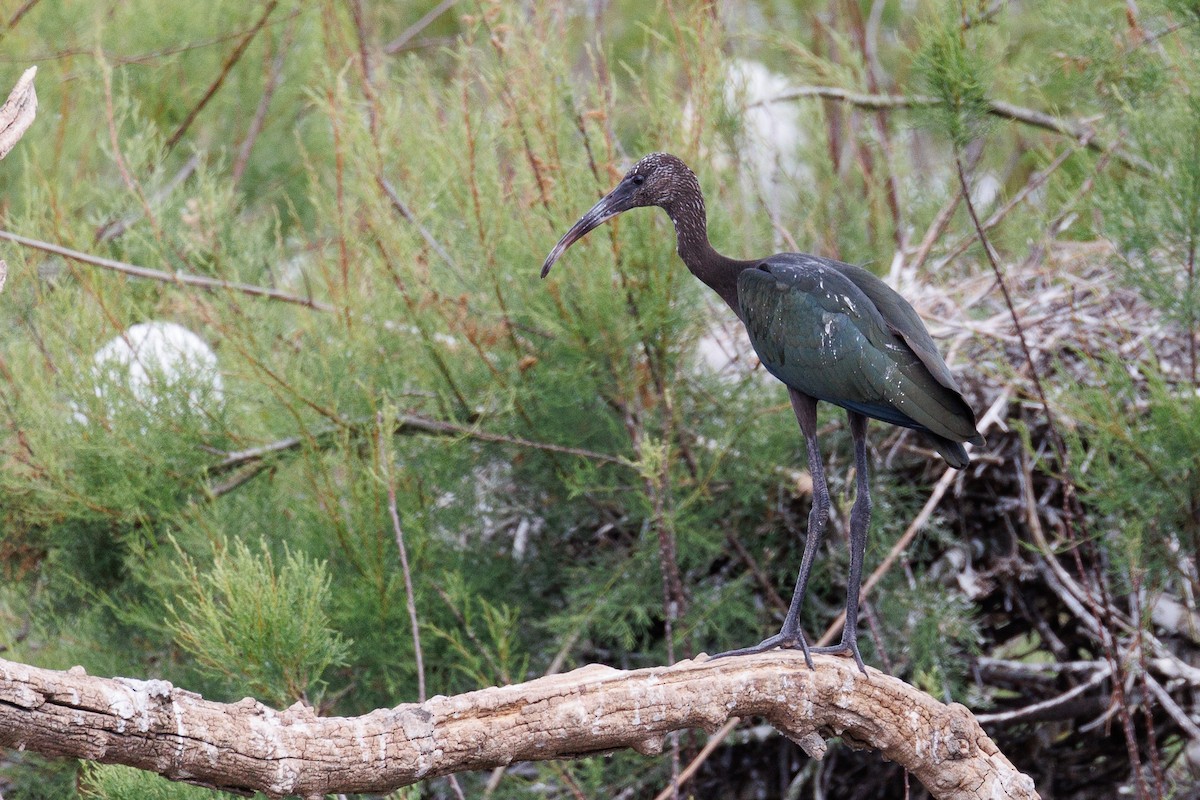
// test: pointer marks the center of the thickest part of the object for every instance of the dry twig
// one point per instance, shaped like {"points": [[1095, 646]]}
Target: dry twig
{"points": [[385, 463], [232, 59], [399, 43]]}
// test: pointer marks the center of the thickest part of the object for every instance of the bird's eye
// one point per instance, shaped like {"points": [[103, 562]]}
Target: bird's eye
{"points": [[638, 180]]}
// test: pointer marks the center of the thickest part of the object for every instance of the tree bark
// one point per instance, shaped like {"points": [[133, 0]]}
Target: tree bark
{"points": [[18, 111], [246, 746]]}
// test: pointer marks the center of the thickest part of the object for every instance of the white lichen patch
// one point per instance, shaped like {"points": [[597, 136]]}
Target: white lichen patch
{"points": [[268, 735], [916, 725], [120, 702], [286, 776], [361, 741]]}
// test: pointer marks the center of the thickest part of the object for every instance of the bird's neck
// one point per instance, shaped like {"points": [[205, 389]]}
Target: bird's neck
{"points": [[691, 231]]}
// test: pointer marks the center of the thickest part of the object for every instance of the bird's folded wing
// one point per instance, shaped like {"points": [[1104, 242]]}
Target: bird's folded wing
{"points": [[819, 332]]}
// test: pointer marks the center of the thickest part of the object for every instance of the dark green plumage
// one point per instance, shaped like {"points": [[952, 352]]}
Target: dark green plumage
{"points": [[830, 331], [837, 333]]}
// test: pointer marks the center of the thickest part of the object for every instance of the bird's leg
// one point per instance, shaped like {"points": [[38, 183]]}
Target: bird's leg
{"points": [[860, 522], [791, 636]]}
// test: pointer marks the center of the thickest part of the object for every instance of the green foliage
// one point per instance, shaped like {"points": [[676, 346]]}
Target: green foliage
{"points": [[1188, 9], [32, 777], [246, 546], [254, 625], [1154, 219], [484, 644], [940, 633], [952, 72], [1143, 473], [111, 782]]}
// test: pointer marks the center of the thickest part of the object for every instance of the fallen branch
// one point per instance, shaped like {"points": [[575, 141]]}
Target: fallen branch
{"points": [[18, 111], [246, 746]]}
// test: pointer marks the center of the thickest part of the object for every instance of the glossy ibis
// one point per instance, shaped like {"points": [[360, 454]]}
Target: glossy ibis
{"points": [[831, 332]]}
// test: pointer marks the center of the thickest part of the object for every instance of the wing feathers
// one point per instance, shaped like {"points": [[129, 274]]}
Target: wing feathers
{"points": [[839, 334]]}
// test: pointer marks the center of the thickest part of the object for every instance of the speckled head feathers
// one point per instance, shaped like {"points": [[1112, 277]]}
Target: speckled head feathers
{"points": [[660, 179]]}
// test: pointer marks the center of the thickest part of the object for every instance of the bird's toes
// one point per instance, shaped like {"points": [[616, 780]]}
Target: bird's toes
{"points": [[844, 650], [782, 640], [761, 647]]}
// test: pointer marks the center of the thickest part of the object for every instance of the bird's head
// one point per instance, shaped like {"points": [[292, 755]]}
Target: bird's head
{"points": [[659, 179]]}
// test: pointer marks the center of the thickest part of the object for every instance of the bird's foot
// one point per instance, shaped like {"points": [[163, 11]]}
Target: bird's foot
{"points": [[783, 640], [844, 649]]}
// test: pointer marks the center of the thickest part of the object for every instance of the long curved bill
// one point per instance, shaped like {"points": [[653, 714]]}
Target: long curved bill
{"points": [[609, 206]]}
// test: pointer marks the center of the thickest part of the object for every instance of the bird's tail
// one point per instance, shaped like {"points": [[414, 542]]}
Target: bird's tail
{"points": [[954, 453]]}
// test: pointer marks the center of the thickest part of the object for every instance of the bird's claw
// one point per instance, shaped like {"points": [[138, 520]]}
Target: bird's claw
{"points": [[796, 641], [844, 649], [784, 641]]}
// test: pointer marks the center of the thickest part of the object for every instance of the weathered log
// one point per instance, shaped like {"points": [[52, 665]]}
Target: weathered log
{"points": [[247, 746]]}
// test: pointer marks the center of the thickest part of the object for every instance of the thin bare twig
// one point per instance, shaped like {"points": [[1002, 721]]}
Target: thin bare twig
{"points": [[1037, 711], [358, 17], [398, 44], [687, 772], [984, 16], [111, 230], [237, 479], [385, 464], [1036, 181], [1172, 708], [230, 61], [180, 278], [404, 211], [264, 102], [25, 8], [410, 424], [935, 230]]}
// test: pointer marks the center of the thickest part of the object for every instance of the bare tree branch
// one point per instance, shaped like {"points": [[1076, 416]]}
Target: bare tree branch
{"points": [[1080, 131], [246, 746], [25, 8], [18, 111], [182, 278]]}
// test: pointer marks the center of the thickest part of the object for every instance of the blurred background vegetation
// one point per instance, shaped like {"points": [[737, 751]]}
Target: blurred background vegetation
{"points": [[391, 432]]}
